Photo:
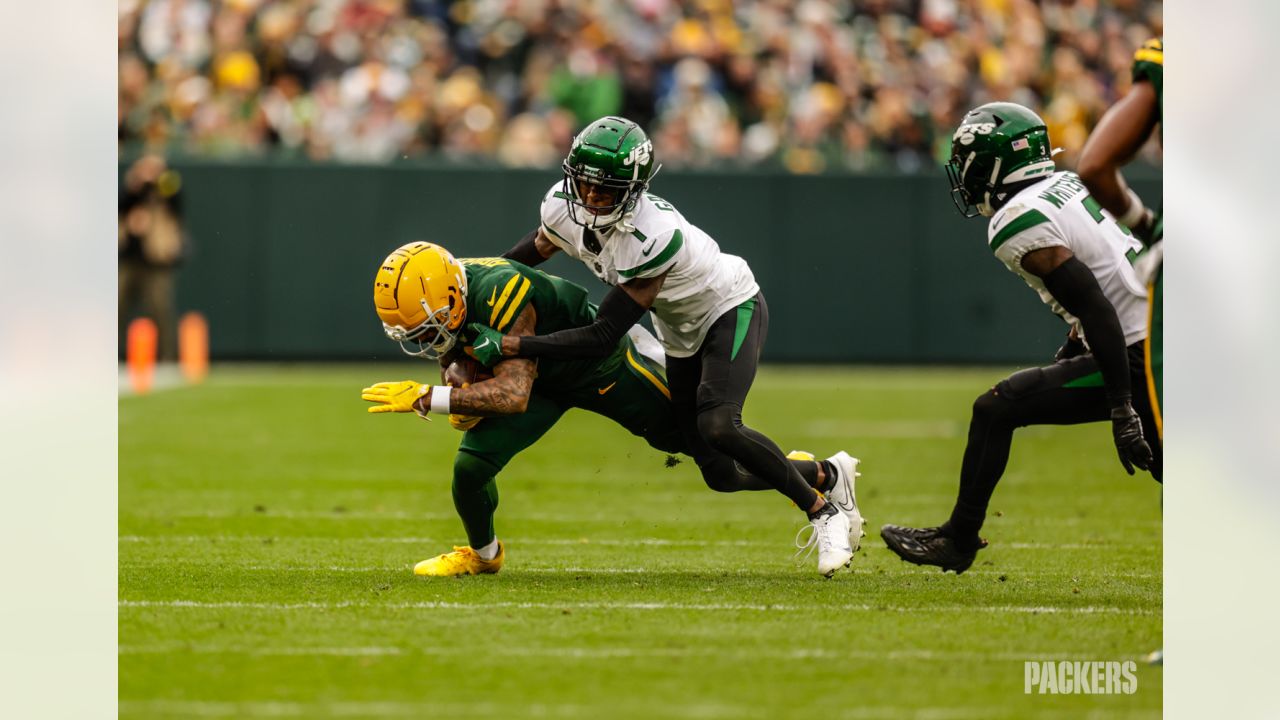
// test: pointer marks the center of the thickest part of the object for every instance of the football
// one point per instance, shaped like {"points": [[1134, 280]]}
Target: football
{"points": [[465, 371]]}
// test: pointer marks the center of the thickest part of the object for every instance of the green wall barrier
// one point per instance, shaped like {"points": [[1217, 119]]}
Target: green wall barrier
{"points": [[855, 268]]}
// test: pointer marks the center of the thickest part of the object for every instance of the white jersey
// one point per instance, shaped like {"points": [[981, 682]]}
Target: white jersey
{"points": [[1059, 211], [702, 283]]}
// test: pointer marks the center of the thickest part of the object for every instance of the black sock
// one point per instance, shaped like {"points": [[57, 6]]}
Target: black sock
{"points": [[825, 510], [965, 534], [829, 473], [808, 470]]}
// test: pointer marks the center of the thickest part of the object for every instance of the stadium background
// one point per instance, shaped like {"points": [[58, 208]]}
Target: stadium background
{"points": [[313, 136], [266, 525]]}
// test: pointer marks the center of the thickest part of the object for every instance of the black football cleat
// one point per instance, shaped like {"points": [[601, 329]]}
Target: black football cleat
{"points": [[929, 546]]}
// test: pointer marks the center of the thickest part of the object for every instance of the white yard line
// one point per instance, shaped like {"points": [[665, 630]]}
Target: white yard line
{"points": [[702, 711], [661, 542], [1016, 574], [578, 520], [436, 605], [603, 652]]}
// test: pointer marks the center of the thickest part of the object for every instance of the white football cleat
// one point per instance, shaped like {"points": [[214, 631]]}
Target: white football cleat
{"points": [[840, 492], [830, 536]]}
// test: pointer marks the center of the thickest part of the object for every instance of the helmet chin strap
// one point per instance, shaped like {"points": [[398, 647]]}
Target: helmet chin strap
{"points": [[985, 207]]}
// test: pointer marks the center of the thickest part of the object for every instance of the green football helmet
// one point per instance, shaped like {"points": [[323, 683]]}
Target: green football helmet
{"points": [[615, 155], [997, 148]]}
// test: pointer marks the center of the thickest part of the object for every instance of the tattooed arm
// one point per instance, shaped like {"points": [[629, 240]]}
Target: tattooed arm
{"points": [[507, 393]]}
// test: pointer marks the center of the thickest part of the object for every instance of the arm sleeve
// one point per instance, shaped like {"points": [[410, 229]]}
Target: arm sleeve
{"points": [[618, 312], [526, 251], [1076, 289]]}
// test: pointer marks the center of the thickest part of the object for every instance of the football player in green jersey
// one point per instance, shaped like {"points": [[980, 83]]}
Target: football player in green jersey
{"points": [[428, 300], [1045, 227], [708, 312], [1120, 134], [425, 297]]}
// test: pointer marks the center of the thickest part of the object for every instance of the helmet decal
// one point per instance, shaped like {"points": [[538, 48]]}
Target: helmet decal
{"points": [[614, 154], [996, 148], [420, 296]]}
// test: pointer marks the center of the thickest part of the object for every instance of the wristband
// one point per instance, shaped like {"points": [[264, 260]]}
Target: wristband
{"points": [[1136, 212], [440, 398]]}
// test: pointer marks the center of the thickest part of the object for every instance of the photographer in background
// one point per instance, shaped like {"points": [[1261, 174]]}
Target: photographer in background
{"points": [[151, 247]]}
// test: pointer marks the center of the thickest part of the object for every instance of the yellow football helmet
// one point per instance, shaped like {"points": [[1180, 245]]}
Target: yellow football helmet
{"points": [[420, 293]]}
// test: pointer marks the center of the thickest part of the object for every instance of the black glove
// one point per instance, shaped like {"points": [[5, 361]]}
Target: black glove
{"points": [[1145, 228], [1126, 428], [1073, 347]]}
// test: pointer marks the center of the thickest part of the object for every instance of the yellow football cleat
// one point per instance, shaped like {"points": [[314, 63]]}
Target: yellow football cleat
{"points": [[462, 561]]}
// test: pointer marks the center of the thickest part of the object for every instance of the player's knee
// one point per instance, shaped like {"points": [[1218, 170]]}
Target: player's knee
{"points": [[1021, 384], [718, 427], [991, 407], [720, 475], [471, 472]]}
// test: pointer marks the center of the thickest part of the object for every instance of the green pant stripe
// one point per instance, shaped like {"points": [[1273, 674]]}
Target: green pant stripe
{"points": [[1091, 380], [744, 322]]}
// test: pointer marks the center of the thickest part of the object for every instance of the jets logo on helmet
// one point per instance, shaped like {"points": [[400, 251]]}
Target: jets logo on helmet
{"points": [[611, 158], [640, 155], [420, 294], [966, 134], [998, 148]]}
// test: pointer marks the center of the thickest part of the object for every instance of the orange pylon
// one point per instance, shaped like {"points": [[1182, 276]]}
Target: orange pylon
{"points": [[140, 354], [193, 347]]}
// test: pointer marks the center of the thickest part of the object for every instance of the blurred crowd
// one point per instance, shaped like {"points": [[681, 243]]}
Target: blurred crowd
{"points": [[806, 85]]}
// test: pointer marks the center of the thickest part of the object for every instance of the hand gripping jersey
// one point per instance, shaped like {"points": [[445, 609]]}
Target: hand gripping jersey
{"points": [[498, 290], [1059, 211], [702, 283]]}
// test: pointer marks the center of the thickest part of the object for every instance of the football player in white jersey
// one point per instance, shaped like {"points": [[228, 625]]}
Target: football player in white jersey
{"points": [[1046, 228], [709, 315]]}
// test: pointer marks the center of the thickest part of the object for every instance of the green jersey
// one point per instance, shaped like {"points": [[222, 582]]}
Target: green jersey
{"points": [[498, 290], [1148, 66]]}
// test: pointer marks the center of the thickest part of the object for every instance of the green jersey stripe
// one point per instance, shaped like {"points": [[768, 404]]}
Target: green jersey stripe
{"points": [[673, 247], [1024, 221]]}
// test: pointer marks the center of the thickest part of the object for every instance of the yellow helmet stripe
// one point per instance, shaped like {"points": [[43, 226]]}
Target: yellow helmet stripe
{"points": [[506, 293], [515, 304]]}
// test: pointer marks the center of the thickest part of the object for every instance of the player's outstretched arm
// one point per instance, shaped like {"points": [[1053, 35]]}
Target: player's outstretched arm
{"points": [[506, 393], [1073, 285], [1120, 134], [532, 249], [621, 309]]}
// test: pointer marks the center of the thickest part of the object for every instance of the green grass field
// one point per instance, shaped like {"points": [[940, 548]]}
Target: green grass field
{"points": [[269, 526]]}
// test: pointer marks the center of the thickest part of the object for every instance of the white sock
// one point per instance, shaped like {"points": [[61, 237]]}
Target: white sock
{"points": [[488, 552]]}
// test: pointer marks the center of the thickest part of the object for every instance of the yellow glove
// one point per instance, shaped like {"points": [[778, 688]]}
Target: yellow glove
{"points": [[463, 422], [395, 396]]}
